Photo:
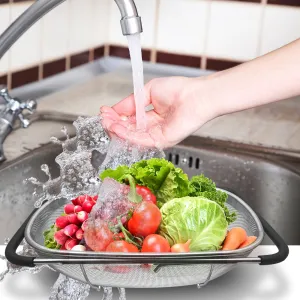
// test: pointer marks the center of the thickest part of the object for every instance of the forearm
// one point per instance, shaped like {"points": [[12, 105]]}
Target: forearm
{"points": [[270, 78]]}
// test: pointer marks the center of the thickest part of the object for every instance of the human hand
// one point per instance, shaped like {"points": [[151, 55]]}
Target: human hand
{"points": [[178, 111]]}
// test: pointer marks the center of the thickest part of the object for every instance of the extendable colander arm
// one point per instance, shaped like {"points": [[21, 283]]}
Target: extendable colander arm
{"points": [[130, 20]]}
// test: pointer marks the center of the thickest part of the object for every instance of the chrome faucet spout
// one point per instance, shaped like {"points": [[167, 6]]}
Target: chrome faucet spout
{"points": [[131, 22]]}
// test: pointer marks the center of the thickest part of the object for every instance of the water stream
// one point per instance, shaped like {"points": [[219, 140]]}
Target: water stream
{"points": [[134, 44]]}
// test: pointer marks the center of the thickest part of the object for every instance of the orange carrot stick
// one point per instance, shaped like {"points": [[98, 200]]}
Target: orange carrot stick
{"points": [[235, 237], [249, 240]]}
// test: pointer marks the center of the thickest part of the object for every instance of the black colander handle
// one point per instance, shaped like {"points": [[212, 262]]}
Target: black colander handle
{"points": [[283, 249], [14, 243]]}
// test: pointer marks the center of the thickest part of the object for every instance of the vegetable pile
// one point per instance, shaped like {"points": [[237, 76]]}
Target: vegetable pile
{"points": [[169, 213]]}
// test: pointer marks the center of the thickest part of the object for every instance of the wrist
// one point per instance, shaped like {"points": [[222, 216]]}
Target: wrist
{"points": [[202, 95]]}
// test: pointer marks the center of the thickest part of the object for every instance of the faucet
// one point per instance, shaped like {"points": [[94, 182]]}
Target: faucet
{"points": [[9, 113], [12, 110]]}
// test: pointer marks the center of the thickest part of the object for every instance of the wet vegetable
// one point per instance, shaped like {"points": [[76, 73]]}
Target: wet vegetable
{"points": [[196, 218]]}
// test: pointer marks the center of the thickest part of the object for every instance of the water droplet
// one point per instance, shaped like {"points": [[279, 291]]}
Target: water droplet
{"points": [[55, 140], [46, 170], [6, 241], [65, 132]]}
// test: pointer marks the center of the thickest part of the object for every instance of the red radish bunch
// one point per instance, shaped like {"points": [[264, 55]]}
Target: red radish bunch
{"points": [[71, 225]]}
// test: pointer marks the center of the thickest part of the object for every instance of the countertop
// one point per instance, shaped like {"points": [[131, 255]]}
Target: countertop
{"points": [[275, 125], [245, 282]]}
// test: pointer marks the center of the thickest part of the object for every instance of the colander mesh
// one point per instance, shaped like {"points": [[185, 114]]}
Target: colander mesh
{"points": [[138, 276]]}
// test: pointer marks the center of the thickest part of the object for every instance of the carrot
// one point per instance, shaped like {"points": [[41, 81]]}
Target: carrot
{"points": [[249, 240], [235, 237]]}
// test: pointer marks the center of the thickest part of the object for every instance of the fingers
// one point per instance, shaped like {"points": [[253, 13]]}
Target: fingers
{"points": [[126, 106]]}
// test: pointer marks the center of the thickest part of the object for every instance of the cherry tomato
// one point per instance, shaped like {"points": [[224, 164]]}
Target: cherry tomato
{"points": [[155, 243], [121, 246], [146, 194], [98, 238], [145, 219]]}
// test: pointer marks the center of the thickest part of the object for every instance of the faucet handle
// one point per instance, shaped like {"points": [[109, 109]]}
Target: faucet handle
{"points": [[25, 122], [4, 93], [30, 105]]}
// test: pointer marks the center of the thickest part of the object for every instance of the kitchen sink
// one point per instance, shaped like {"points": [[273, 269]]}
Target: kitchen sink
{"points": [[268, 181]]}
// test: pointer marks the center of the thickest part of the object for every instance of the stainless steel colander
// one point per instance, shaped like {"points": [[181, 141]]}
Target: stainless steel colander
{"points": [[141, 270]]}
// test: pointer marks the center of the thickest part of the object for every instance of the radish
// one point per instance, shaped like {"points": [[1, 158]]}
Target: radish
{"points": [[79, 234], [62, 221], [78, 248], [72, 218], [82, 199], [75, 201], [62, 247], [88, 205], [84, 225], [82, 216], [69, 208], [70, 230], [60, 237], [95, 198], [70, 243], [77, 209]]}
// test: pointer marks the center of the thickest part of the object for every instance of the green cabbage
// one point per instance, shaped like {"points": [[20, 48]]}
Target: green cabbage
{"points": [[194, 218], [201, 186]]}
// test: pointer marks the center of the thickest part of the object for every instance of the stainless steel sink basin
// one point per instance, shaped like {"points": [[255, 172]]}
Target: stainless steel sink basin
{"points": [[269, 182]]}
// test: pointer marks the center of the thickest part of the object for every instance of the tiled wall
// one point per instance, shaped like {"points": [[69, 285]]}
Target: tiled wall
{"points": [[204, 34]]}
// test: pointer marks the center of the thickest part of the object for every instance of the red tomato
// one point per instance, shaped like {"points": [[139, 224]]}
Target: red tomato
{"points": [[98, 238], [145, 219], [121, 246], [146, 194], [155, 243]]}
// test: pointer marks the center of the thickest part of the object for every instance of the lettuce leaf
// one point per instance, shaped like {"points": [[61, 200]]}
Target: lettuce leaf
{"points": [[201, 186], [159, 175], [49, 240]]}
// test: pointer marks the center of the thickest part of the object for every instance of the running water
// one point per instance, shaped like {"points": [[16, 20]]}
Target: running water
{"points": [[134, 44]]}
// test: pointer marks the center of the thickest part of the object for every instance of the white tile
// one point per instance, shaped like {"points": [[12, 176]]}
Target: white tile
{"points": [[27, 49], [81, 25], [182, 26], [55, 33], [4, 23], [234, 30], [101, 22], [281, 26], [146, 10]]}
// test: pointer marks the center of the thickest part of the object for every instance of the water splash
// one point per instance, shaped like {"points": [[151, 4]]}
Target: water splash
{"points": [[107, 293], [46, 170], [66, 288], [14, 269]]}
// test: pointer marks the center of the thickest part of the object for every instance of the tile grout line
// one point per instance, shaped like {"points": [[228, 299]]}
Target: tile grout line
{"points": [[9, 73], [263, 4], [205, 42], [91, 54], [153, 54]]}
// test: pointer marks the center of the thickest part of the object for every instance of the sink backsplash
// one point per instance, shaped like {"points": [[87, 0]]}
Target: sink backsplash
{"points": [[206, 34]]}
